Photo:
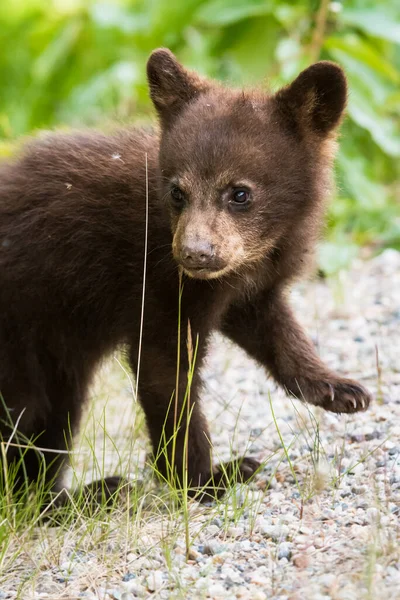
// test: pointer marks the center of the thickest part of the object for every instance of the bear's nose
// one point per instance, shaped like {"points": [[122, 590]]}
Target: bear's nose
{"points": [[198, 255]]}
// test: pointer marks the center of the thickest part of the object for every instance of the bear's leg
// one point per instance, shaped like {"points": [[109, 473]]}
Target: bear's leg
{"points": [[267, 329], [179, 432], [38, 419]]}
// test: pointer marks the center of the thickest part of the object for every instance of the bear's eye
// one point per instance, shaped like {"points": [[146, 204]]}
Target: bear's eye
{"points": [[240, 196], [177, 195]]}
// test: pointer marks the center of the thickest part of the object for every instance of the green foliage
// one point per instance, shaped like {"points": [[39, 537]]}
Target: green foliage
{"points": [[74, 62]]}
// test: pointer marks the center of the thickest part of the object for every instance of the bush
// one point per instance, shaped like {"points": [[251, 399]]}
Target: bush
{"points": [[71, 62]]}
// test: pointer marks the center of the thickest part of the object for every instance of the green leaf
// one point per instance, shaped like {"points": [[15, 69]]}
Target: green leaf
{"points": [[252, 49], [56, 53], [378, 23], [367, 100], [289, 53], [353, 168], [107, 15], [363, 51], [226, 12], [102, 94], [382, 129], [335, 256]]}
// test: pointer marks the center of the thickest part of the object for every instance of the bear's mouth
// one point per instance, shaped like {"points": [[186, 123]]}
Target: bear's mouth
{"points": [[205, 273]]}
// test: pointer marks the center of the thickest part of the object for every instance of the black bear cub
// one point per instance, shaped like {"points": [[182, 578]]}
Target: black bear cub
{"points": [[229, 196]]}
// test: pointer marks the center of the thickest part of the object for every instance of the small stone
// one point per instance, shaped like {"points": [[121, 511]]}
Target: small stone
{"points": [[276, 498], [328, 514], [257, 431], [135, 588], [235, 531], [305, 530], [202, 584], [359, 489], [231, 576], [389, 445], [285, 550], [259, 578], [358, 469], [155, 581], [372, 515], [243, 593], [193, 554], [212, 530], [218, 559], [327, 580], [345, 493], [216, 590], [131, 556], [274, 532], [394, 451], [300, 561], [211, 548], [373, 435]]}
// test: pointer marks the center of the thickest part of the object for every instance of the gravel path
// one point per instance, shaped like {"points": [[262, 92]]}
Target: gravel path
{"points": [[321, 522]]}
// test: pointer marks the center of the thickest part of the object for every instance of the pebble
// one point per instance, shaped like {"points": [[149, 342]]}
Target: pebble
{"points": [[327, 580], [135, 588], [301, 561], [155, 581], [285, 550], [212, 547], [212, 530], [235, 532], [275, 532], [359, 489], [217, 591], [232, 576], [373, 515]]}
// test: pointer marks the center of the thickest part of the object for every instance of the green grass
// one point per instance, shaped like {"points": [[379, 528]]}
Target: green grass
{"points": [[155, 516]]}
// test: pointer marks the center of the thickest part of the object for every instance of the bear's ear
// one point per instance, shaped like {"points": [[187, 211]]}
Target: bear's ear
{"points": [[316, 99], [171, 86]]}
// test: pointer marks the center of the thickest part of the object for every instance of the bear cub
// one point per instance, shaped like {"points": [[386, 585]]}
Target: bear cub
{"points": [[222, 204]]}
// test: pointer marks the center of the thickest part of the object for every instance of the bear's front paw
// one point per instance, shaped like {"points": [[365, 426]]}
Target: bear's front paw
{"points": [[339, 395]]}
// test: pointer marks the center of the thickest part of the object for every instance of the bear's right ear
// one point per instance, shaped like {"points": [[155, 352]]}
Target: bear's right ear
{"points": [[316, 99], [171, 86]]}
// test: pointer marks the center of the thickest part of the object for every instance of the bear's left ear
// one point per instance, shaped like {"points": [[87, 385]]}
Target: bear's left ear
{"points": [[171, 86], [316, 99]]}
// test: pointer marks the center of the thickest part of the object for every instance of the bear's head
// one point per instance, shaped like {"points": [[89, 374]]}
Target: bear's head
{"points": [[242, 171]]}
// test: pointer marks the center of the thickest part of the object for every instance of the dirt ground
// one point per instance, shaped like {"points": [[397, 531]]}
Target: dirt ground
{"points": [[320, 522]]}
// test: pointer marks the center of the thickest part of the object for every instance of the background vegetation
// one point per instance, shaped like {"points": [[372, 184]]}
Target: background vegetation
{"points": [[73, 62]]}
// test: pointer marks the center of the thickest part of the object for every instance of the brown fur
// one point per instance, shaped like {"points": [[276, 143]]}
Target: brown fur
{"points": [[72, 233]]}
